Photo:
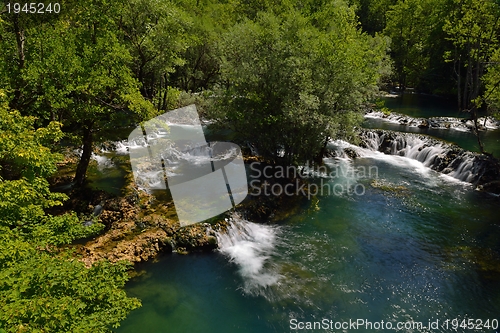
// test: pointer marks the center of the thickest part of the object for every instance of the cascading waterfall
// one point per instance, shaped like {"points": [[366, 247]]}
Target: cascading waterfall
{"points": [[437, 155], [193, 155], [418, 149], [251, 247], [432, 153], [465, 170]]}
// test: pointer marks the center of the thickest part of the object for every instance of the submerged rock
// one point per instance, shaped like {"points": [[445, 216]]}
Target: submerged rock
{"points": [[389, 187], [351, 153], [491, 187]]}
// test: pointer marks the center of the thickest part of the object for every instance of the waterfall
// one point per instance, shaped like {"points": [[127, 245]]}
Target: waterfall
{"points": [[417, 148], [437, 155], [124, 146], [467, 168], [372, 140], [103, 162], [251, 247]]}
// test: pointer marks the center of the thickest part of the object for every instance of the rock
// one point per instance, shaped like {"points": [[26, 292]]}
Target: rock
{"points": [[88, 223], [140, 225], [491, 187], [116, 245], [195, 238], [436, 124], [424, 124], [97, 210], [351, 153]]}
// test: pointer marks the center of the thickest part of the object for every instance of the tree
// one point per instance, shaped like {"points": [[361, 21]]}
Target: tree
{"points": [[372, 14], [411, 25], [25, 162], [42, 291], [473, 28], [292, 82], [43, 287], [76, 69], [491, 80], [157, 34], [200, 70]]}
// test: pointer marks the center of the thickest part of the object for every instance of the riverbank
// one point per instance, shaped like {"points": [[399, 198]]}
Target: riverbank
{"points": [[454, 123], [138, 227]]}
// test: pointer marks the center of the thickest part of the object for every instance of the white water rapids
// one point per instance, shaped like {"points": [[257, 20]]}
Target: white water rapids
{"points": [[251, 247], [424, 150]]}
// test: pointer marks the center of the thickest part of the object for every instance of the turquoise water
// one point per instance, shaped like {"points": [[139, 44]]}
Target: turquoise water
{"points": [[413, 246], [428, 249]]}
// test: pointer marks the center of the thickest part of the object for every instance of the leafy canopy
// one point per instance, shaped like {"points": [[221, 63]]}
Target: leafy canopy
{"points": [[44, 288], [293, 81]]}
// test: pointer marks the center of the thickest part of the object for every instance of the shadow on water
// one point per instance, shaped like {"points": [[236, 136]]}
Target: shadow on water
{"points": [[423, 106]]}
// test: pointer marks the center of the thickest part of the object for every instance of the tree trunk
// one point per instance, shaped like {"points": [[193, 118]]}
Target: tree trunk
{"points": [[458, 71], [20, 40], [81, 169], [160, 91], [476, 80], [165, 94], [465, 95], [319, 158], [476, 130]]}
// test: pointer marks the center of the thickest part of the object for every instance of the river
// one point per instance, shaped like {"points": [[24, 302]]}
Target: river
{"points": [[413, 246]]}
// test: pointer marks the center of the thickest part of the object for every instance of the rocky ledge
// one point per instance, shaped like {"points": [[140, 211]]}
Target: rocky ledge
{"points": [[138, 228], [460, 124]]}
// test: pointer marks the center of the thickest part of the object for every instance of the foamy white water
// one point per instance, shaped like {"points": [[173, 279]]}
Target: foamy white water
{"points": [[251, 247], [423, 150], [414, 154], [453, 123], [102, 161]]}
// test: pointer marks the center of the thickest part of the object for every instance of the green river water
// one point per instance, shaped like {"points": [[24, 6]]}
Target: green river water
{"points": [[414, 246]]}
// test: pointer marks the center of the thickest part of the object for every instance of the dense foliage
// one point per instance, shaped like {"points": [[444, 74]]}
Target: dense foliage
{"points": [[43, 288], [293, 82], [447, 47], [100, 64], [285, 75]]}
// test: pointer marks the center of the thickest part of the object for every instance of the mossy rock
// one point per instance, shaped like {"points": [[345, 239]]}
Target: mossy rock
{"points": [[389, 187]]}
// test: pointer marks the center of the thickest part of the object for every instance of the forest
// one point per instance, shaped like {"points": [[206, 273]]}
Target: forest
{"points": [[287, 76]]}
